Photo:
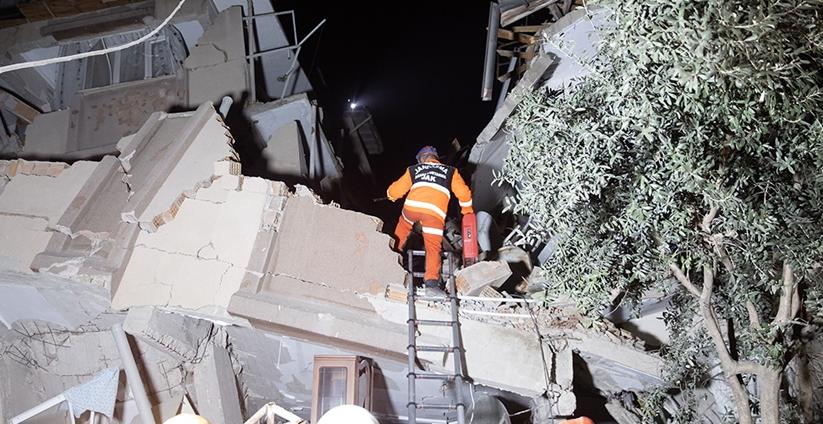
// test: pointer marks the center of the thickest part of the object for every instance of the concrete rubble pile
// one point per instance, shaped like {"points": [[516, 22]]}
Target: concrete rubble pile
{"points": [[217, 276], [229, 285]]}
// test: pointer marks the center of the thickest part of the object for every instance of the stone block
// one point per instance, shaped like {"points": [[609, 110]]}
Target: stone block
{"points": [[473, 279]]}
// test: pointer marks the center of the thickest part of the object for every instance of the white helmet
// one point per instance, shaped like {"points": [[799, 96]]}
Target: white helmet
{"points": [[186, 419], [347, 414]]}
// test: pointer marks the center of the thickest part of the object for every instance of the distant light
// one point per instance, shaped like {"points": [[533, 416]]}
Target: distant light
{"points": [[353, 105]]}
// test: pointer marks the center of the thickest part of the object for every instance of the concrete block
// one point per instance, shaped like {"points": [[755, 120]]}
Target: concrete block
{"points": [[216, 389], [285, 152], [47, 136], [181, 336], [474, 278]]}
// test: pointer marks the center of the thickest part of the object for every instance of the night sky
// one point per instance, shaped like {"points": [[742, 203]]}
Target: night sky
{"points": [[416, 66]]}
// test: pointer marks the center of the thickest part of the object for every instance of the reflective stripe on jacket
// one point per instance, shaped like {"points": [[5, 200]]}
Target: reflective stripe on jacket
{"points": [[429, 186]]}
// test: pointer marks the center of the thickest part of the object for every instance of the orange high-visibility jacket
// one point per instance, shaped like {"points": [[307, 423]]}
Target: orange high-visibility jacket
{"points": [[430, 185]]}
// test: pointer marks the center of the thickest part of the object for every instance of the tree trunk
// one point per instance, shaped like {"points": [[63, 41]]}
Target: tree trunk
{"points": [[768, 382]]}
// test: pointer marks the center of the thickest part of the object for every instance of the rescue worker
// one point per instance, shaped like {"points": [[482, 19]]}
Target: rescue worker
{"points": [[429, 185]]}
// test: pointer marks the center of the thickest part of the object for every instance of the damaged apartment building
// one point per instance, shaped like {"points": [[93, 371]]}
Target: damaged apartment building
{"points": [[145, 273]]}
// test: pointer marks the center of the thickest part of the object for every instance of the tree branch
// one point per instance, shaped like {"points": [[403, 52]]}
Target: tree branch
{"points": [[706, 225], [731, 368], [786, 309], [681, 277], [754, 317]]}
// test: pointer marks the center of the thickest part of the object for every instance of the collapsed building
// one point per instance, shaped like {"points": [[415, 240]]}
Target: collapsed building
{"points": [[124, 204]]}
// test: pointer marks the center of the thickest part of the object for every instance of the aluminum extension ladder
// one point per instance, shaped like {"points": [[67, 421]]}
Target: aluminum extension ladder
{"points": [[456, 348]]}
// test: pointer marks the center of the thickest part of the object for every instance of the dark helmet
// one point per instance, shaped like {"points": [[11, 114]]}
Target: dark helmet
{"points": [[426, 151]]}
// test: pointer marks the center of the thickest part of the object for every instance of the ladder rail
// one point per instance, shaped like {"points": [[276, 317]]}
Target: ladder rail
{"points": [[412, 406], [458, 354], [456, 348]]}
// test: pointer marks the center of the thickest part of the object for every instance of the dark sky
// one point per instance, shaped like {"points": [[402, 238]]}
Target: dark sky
{"points": [[416, 66]]}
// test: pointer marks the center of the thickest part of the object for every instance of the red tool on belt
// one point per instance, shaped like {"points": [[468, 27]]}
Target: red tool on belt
{"points": [[470, 251]]}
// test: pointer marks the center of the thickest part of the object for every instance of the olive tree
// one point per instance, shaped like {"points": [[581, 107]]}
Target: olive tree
{"points": [[690, 152]]}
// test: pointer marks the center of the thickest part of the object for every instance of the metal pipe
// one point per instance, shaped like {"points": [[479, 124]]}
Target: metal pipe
{"points": [[225, 105], [263, 15], [133, 379], [251, 52], [498, 299], [265, 52], [496, 314], [312, 32], [31, 412], [491, 52], [289, 74]]}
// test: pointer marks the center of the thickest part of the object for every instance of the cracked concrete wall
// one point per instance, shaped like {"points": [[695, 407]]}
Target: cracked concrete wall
{"points": [[200, 257], [27, 221]]}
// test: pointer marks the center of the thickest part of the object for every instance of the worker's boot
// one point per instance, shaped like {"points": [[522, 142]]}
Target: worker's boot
{"points": [[433, 289]]}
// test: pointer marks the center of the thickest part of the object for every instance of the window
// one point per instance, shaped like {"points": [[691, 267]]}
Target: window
{"points": [[340, 380], [332, 389], [158, 56]]}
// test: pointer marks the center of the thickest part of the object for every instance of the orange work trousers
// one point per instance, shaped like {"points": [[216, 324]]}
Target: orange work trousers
{"points": [[432, 238]]}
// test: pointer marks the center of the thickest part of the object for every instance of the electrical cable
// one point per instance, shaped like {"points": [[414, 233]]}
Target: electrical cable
{"points": [[42, 62]]}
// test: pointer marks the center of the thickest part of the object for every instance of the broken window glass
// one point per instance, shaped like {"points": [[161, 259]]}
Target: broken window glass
{"points": [[98, 68]]}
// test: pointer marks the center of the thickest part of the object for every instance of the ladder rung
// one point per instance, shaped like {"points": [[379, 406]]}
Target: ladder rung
{"points": [[418, 252], [433, 376], [444, 349], [418, 274], [435, 406], [434, 322]]}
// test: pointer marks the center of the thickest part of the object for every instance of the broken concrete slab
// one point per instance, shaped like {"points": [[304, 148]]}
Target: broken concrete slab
{"points": [[356, 257], [217, 66], [55, 184], [176, 334], [267, 118], [285, 152], [47, 136], [190, 144], [27, 221], [216, 388], [171, 157], [27, 296], [473, 279], [200, 258]]}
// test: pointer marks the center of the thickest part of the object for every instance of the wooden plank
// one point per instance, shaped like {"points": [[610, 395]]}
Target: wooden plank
{"points": [[531, 29], [526, 39], [505, 34], [17, 106], [528, 54]]}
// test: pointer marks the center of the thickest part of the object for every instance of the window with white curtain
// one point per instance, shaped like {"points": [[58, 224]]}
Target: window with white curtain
{"points": [[158, 56]]}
